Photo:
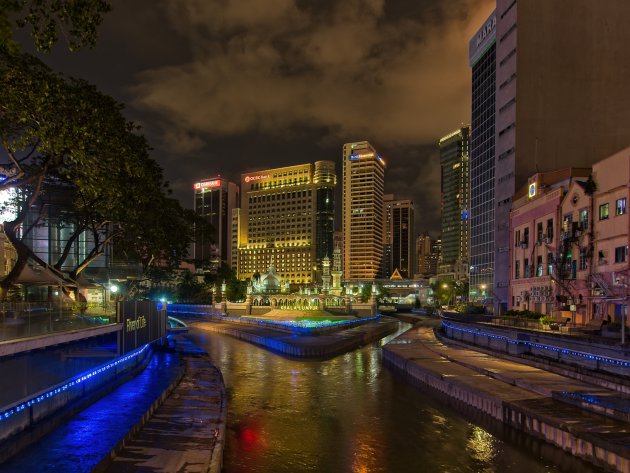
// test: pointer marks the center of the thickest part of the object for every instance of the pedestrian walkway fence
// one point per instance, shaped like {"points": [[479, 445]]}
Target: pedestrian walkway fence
{"points": [[29, 319]]}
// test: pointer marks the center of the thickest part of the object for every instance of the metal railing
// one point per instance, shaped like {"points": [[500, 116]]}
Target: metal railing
{"points": [[29, 319]]}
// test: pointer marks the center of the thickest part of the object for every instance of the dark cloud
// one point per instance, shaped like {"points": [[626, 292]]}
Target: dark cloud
{"points": [[225, 86]]}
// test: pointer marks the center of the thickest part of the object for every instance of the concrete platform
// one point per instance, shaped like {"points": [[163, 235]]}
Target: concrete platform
{"points": [[521, 396], [299, 346]]}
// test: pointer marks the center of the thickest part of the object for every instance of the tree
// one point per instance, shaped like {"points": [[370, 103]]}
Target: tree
{"points": [[76, 21], [445, 291], [58, 132]]}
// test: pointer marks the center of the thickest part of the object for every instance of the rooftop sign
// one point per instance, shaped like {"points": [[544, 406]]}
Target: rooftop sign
{"points": [[483, 39], [207, 184], [257, 177]]}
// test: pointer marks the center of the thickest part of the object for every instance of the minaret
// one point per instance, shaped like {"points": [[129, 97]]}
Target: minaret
{"points": [[336, 272], [326, 274]]}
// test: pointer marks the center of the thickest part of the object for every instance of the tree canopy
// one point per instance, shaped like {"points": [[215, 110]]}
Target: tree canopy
{"points": [[62, 133], [77, 21]]}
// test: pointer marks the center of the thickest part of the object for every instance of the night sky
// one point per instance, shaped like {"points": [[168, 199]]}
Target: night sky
{"points": [[229, 86]]}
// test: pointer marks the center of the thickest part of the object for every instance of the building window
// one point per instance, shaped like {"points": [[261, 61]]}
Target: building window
{"points": [[517, 238], [549, 230], [603, 211], [539, 232], [539, 264], [566, 223], [584, 219], [517, 269], [620, 206], [550, 263], [621, 254], [526, 237], [526, 268], [583, 259]]}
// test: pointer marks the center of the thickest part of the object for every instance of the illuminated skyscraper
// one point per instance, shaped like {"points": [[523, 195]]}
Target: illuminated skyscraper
{"points": [[214, 200], [286, 218], [454, 159], [399, 244], [423, 255], [481, 259], [363, 189]]}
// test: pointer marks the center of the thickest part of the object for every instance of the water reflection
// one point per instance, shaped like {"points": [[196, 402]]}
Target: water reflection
{"points": [[348, 414]]}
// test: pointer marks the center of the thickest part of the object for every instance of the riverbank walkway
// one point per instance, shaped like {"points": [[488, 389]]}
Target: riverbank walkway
{"points": [[171, 416], [187, 432], [522, 396], [79, 444]]}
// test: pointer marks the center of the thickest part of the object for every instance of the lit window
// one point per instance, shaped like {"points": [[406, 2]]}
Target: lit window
{"points": [[620, 207], [603, 211], [621, 254]]}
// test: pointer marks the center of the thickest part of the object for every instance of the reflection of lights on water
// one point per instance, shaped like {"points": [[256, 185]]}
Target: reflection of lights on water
{"points": [[438, 420], [366, 453], [480, 444]]}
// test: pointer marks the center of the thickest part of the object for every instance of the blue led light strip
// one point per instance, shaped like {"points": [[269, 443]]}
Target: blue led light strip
{"points": [[564, 351], [42, 396]]}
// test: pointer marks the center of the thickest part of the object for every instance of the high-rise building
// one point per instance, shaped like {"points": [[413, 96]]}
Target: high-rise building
{"points": [[436, 256], [454, 160], [482, 57], [286, 218], [363, 190], [561, 100], [215, 200], [398, 236], [423, 255]]}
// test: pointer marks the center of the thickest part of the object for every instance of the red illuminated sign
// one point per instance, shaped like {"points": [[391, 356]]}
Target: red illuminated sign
{"points": [[257, 178], [207, 184]]}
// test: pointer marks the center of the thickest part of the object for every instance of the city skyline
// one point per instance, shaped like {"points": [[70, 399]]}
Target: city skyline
{"points": [[150, 73]]}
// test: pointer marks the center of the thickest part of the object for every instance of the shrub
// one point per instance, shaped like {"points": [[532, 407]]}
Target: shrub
{"points": [[547, 320]]}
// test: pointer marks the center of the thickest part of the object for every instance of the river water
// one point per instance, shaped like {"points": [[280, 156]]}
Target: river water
{"points": [[351, 414]]}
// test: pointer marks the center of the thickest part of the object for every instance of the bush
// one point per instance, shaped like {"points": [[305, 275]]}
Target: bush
{"points": [[528, 314], [547, 320]]}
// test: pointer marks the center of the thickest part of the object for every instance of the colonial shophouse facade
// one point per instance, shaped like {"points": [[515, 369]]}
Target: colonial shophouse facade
{"points": [[569, 248]]}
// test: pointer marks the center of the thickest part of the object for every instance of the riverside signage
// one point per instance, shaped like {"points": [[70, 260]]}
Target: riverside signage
{"points": [[142, 323]]}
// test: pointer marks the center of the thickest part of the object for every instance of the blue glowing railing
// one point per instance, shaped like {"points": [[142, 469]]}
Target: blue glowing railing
{"points": [[64, 386], [540, 346], [191, 309]]}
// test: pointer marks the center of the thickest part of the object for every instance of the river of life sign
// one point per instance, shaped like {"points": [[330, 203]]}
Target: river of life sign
{"points": [[142, 323]]}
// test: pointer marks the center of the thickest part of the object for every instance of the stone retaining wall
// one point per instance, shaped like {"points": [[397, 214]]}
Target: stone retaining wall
{"points": [[517, 415], [318, 350]]}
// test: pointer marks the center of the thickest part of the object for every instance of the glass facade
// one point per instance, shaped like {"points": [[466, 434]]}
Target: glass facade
{"points": [[454, 159], [482, 167], [324, 222]]}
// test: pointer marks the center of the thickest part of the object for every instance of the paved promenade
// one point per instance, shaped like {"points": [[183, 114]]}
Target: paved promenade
{"points": [[187, 432], [518, 395]]}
